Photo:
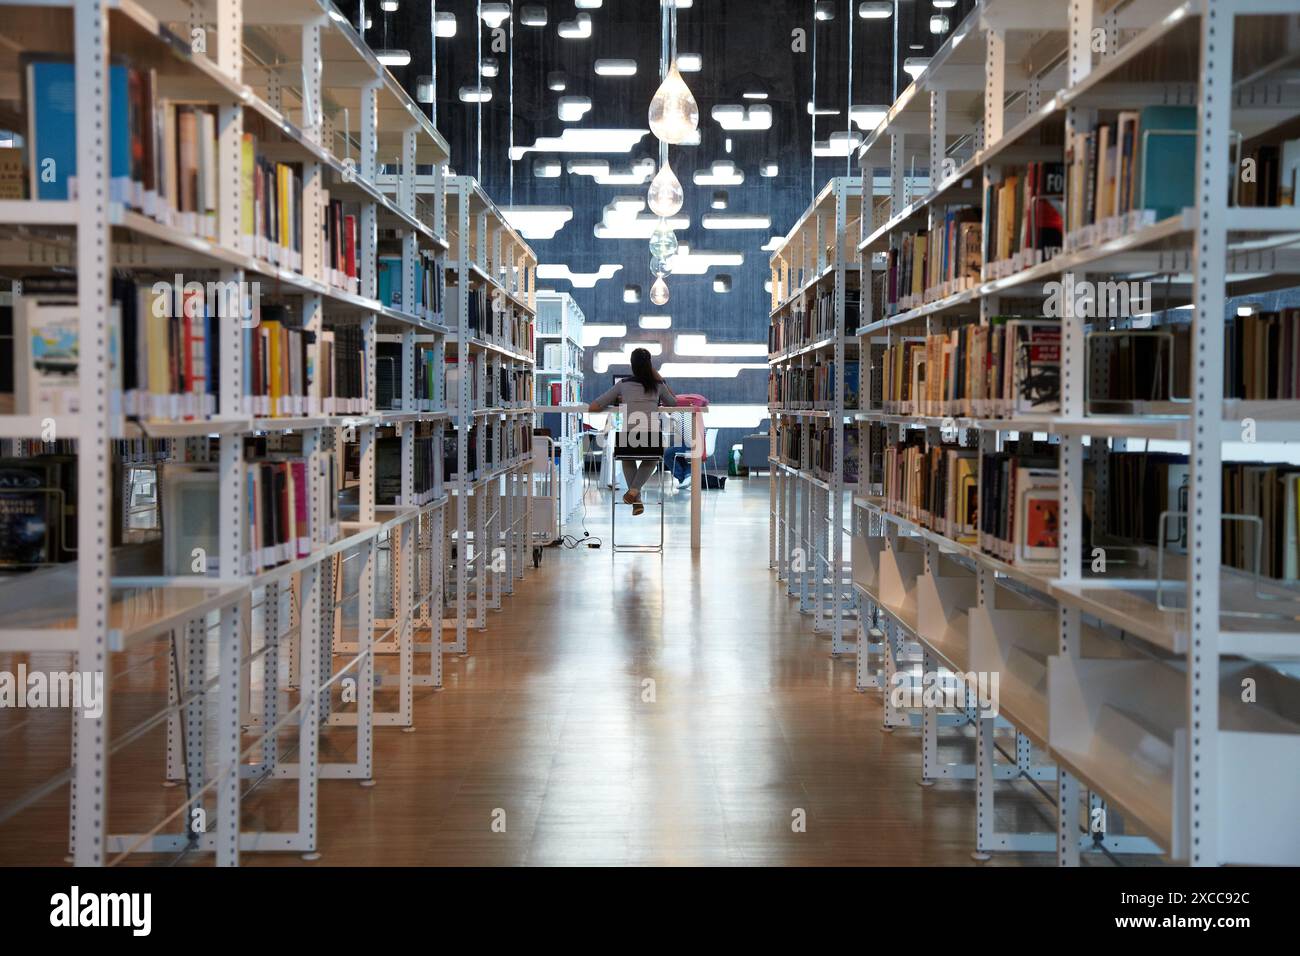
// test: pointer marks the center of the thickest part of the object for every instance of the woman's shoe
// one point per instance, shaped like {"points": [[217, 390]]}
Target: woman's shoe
{"points": [[631, 496], [637, 507]]}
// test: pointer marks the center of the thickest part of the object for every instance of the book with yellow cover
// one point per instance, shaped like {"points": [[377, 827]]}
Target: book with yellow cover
{"points": [[273, 364]]}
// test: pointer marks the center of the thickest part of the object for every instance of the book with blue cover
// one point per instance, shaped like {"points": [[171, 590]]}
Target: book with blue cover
{"points": [[1167, 159], [52, 129]]}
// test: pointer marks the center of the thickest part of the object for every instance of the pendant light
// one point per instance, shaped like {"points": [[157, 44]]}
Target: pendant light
{"points": [[659, 291], [665, 197], [661, 266], [674, 114], [663, 243]]}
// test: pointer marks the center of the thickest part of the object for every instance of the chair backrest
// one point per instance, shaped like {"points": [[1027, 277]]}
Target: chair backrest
{"points": [[710, 440]]}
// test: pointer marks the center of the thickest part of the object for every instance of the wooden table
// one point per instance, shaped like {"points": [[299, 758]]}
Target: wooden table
{"points": [[698, 443]]}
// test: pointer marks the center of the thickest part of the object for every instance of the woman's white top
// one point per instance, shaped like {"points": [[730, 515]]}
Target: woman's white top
{"points": [[640, 406]]}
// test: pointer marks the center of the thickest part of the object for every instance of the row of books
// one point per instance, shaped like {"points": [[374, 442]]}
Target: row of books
{"points": [[938, 262], [163, 163], [1263, 497], [164, 361], [1023, 215], [820, 457], [972, 371], [426, 483], [429, 285], [281, 526], [290, 371], [937, 487], [493, 317], [1270, 174], [1263, 356], [1140, 162], [388, 377], [1019, 511], [343, 362], [813, 322], [812, 387], [556, 393], [1006, 503], [1006, 368], [516, 440], [822, 450], [562, 356], [340, 248], [515, 387]]}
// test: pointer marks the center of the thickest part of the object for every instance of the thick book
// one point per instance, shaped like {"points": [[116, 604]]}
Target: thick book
{"points": [[1167, 159]]}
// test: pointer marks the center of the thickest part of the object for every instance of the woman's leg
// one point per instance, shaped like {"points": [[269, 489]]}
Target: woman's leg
{"points": [[629, 478], [645, 468]]}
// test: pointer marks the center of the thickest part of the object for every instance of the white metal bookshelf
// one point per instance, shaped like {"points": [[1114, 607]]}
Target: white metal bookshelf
{"points": [[560, 323], [492, 492], [293, 647], [807, 505], [1118, 689]]}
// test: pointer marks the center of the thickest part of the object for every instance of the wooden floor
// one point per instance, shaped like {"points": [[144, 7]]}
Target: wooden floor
{"points": [[620, 709]]}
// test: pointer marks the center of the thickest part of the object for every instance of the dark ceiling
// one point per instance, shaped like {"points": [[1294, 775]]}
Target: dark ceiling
{"points": [[744, 46]]}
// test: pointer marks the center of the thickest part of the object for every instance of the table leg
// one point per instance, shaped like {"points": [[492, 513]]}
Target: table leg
{"points": [[697, 465]]}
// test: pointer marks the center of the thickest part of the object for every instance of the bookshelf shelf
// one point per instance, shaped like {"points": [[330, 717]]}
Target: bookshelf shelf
{"points": [[557, 384], [294, 83], [491, 312], [1100, 655], [808, 348]]}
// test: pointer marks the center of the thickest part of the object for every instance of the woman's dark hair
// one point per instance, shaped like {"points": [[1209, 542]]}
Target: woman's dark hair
{"points": [[643, 370]]}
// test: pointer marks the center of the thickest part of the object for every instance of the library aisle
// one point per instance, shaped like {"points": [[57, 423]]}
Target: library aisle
{"points": [[748, 721]]}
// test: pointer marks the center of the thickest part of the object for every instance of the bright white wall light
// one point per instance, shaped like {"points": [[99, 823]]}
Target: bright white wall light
{"points": [[743, 118], [671, 370], [721, 172], [727, 220], [914, 66], [585, 140], [494, 14], [393, 57], [475, 94], [537, 222], [579, 280], [579, 28], [592, 333], [699, 346], [614, 66], [574, 108], [655, 322], [841, 143], [445, 25], [867, 118], [876, 10], [690, 62]]}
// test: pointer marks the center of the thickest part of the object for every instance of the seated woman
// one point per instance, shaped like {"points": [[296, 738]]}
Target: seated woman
{"points": [[640, 445]]}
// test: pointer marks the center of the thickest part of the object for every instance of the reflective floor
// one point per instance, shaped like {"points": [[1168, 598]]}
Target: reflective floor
{"points": [[619, 709], [654, 709]]}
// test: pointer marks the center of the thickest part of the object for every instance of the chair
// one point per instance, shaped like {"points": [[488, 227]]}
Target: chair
{"points": [[754, 450], [624, 452], [710, 446]]}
